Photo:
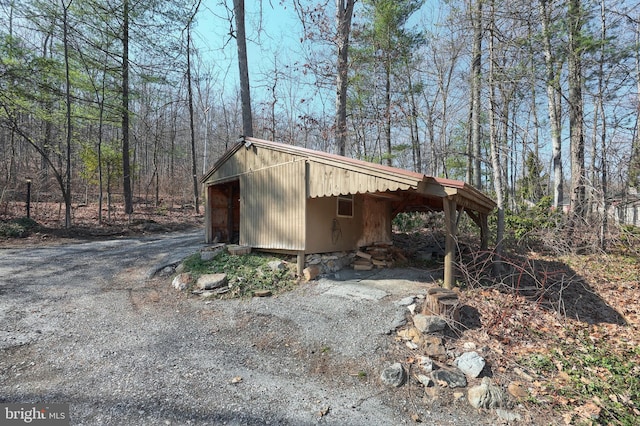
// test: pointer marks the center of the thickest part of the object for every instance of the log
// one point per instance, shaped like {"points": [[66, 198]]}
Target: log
{"points": [[360, 267], [363, 255], [310, 272], [441, 301]]}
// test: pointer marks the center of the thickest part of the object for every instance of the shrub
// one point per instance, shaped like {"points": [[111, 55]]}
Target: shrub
{"points": [[17, 228]]}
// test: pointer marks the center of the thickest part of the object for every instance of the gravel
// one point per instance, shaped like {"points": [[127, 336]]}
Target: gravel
{"points": [[89, 324]]}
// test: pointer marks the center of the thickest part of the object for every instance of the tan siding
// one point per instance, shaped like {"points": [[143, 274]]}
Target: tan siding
{"points": [[272, 207]]}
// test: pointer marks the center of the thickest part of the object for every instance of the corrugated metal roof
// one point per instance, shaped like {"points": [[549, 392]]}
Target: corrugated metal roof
{"points": [[331, 175]]}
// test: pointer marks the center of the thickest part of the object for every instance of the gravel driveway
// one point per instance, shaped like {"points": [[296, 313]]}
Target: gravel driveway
{"points": [[87, 324]]}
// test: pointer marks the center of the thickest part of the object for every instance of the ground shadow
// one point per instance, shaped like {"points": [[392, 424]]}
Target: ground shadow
{"points": [[552, 285]]}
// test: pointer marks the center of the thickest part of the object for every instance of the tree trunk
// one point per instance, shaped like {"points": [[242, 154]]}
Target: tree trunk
{"points": [[126, 169], [476, 75], [553, 100], [498, 181], [243, 66], [194, 173], [344, 12], [576, 112], [69, 129]]}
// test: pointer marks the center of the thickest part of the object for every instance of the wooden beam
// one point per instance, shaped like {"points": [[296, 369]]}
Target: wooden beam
{"points": [[449, 207], [300, 263], [484, 231], [208, 237]]}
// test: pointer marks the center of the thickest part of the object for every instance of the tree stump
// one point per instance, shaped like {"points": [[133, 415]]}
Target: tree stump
{"points": [[441, 301]]}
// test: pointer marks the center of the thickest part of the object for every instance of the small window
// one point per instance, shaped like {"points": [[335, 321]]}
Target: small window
{"points": [[345, 206]]}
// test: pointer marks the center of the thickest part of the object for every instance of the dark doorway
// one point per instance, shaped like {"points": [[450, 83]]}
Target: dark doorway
{"points": [[224, 200]]}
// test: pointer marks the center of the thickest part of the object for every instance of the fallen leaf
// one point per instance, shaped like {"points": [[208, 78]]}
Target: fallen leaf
{"points": [[236, 379]]}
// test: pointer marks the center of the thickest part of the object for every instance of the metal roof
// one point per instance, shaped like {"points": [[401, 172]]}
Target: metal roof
{"points": [[332, 175]]}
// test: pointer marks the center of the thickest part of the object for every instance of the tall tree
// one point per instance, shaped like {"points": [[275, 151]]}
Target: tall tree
{"points": [[554, 96], [344, 14], [475, 159], [243, 66], [576, 108], [69, 129], [496, 162], [126, 167], [194, 173]]}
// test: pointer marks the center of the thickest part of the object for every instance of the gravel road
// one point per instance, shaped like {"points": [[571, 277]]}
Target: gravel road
{"points": [[90, 325]]}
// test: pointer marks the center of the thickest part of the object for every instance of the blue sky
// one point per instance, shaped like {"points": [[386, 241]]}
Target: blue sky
{"points": [[272, 31]]}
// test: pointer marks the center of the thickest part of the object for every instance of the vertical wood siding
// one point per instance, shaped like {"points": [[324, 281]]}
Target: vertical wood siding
{"points": [[272, 205]]}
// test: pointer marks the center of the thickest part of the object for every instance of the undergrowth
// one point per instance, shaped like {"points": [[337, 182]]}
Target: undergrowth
{"points": [[598, 383], [17, 228], [246, 274]]}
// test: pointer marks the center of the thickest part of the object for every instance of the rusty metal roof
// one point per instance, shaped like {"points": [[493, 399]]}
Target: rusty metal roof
{"points": [[332, 175]]}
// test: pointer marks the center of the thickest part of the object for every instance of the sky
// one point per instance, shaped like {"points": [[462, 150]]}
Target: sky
{"points": [[273, 31]]}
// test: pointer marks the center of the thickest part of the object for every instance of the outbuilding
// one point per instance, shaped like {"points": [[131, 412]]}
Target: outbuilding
{"points": [[283, 198]]}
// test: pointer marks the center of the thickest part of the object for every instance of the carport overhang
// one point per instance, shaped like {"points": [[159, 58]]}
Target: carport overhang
{"points": [[451, 197]]}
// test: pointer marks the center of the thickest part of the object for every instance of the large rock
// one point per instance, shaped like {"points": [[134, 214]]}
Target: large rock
{"points": [[394, 375], [470, 363], [429, 323], [211, 281], [449, 378], [487, 395]]}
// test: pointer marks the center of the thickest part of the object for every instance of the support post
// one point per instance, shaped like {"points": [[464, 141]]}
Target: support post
{"points": [[300, 263], [484, 231], [449, 207], [28, 198], [207, 216]]}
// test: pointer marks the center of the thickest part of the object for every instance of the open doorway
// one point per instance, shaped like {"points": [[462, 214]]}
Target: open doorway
{"points": [[224, 202]]}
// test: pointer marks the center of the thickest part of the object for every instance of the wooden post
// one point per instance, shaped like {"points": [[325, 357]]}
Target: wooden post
{"points": [[484, 231], [207, 215], [449, 207], [300, 263]]}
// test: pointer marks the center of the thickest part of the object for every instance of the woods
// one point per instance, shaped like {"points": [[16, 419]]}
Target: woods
{"points": [[524, 100]]}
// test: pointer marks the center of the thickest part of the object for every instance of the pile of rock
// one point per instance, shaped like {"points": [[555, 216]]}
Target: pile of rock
{"points": [[435, 365], [378, 255], [328, 263]]}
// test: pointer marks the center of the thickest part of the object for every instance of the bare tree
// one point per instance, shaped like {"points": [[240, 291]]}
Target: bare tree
{"points": [[243, 66], [576, 109], [344, 13], [554, 96]]}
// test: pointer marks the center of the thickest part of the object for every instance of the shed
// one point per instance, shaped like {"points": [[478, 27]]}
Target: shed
{"points": [[283, 198]]}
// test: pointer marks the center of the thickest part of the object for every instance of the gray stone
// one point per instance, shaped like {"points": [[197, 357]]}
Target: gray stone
{"points": [[209, 254], [399, 320], [405, 301], [449, 378], [425, 380], [179, 268], [181, 281], [206, 256], [394, 375], [211, 281], [166, 271], [276, 265], [429, 323], [487, 395], [425, 363], [470, 363], [508, 415]]}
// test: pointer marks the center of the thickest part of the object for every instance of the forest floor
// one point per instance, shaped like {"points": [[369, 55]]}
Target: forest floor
{"points": [[563, 330]]}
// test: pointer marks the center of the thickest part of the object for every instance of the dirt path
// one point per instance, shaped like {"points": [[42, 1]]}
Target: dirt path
{"points": [[84, 324]]}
